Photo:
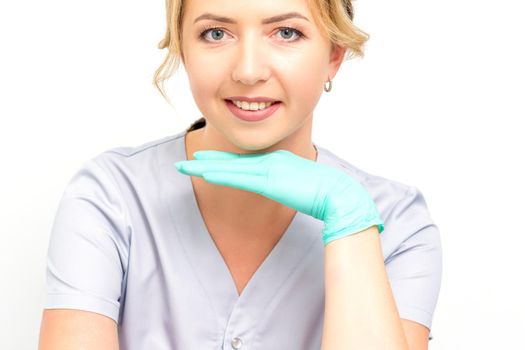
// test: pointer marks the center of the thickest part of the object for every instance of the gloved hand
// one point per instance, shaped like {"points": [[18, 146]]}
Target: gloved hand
{"points": [[326, 193]]}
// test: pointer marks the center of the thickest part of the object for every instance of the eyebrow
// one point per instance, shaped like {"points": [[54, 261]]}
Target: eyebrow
{"points": [[273, 19]]}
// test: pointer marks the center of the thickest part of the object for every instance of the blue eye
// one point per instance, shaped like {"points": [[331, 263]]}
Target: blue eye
{"points": [[291, 31], [213, 30], [208, 29], [218, 33]]}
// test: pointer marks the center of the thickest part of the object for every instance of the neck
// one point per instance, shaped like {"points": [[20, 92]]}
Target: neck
{"points": [[236, 208]]}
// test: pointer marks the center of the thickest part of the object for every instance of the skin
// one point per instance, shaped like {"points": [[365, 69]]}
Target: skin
{"points": [[253, 59]]}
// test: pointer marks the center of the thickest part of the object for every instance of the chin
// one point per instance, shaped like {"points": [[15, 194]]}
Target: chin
{"points": [[259, 145]]}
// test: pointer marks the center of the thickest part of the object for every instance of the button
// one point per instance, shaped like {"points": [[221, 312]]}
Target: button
{"points": [[236, 343]]}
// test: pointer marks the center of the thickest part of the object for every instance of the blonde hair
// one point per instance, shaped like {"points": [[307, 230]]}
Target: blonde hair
{"points": [[333, 17]]}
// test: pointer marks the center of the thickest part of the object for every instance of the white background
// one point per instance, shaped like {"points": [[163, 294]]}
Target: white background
{"points": [[435, 103]]}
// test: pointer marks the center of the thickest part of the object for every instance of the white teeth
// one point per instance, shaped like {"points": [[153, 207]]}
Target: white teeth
{"points": [[252, 106]]}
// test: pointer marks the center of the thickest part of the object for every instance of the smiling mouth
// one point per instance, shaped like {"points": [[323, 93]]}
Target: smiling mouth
{"points": [[252, 106], [267, 109]]}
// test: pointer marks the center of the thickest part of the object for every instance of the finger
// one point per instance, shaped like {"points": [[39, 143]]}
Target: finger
{"points": [[247, 182]]}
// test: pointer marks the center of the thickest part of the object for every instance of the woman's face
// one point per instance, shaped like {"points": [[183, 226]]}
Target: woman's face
{"points": [[287, 60]]}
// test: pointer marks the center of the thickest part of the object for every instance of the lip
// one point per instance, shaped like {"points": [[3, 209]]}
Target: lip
{"points": [[252, 116], [252, 99]]}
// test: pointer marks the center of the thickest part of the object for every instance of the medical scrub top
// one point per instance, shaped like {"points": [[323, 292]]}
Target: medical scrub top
{"points": [[128, 241]]}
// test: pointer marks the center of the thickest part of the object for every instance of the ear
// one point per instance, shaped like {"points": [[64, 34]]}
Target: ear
{"points": [[337, 56]]}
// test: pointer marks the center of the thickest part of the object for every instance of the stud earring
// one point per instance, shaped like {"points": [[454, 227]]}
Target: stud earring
{"points": [[327, 89]]}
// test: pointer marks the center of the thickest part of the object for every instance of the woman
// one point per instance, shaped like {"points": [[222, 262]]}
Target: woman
{"points": [[240, 232]]}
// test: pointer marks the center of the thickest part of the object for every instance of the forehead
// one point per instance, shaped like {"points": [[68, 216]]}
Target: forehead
{"points": [[241, 10]]}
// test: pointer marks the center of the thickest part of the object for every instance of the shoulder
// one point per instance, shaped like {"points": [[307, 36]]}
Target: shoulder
{"points": [[125, 167], [111, 179], [402, 207], [385, 192], [130, 157]]}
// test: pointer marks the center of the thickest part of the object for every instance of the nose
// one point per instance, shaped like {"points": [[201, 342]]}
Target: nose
{"points": [[252, 63]]}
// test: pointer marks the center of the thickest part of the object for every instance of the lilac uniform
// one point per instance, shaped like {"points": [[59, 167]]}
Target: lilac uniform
{"points": [[128, 241]]}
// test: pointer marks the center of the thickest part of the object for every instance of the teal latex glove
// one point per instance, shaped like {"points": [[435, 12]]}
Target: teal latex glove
{"points": [[326, 193]]}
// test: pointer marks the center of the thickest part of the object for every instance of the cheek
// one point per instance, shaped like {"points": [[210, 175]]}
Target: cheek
{"points": [[303, 76], [205, 76]]}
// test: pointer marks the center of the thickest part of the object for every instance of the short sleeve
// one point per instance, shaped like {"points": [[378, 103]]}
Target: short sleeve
{"points": [[88, 247], [414, 267]]}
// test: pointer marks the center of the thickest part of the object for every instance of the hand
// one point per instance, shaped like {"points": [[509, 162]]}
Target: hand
{"points": [[326, 193]]}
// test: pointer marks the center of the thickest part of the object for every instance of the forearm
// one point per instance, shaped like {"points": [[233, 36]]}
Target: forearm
{"points": [[360, 310]]}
